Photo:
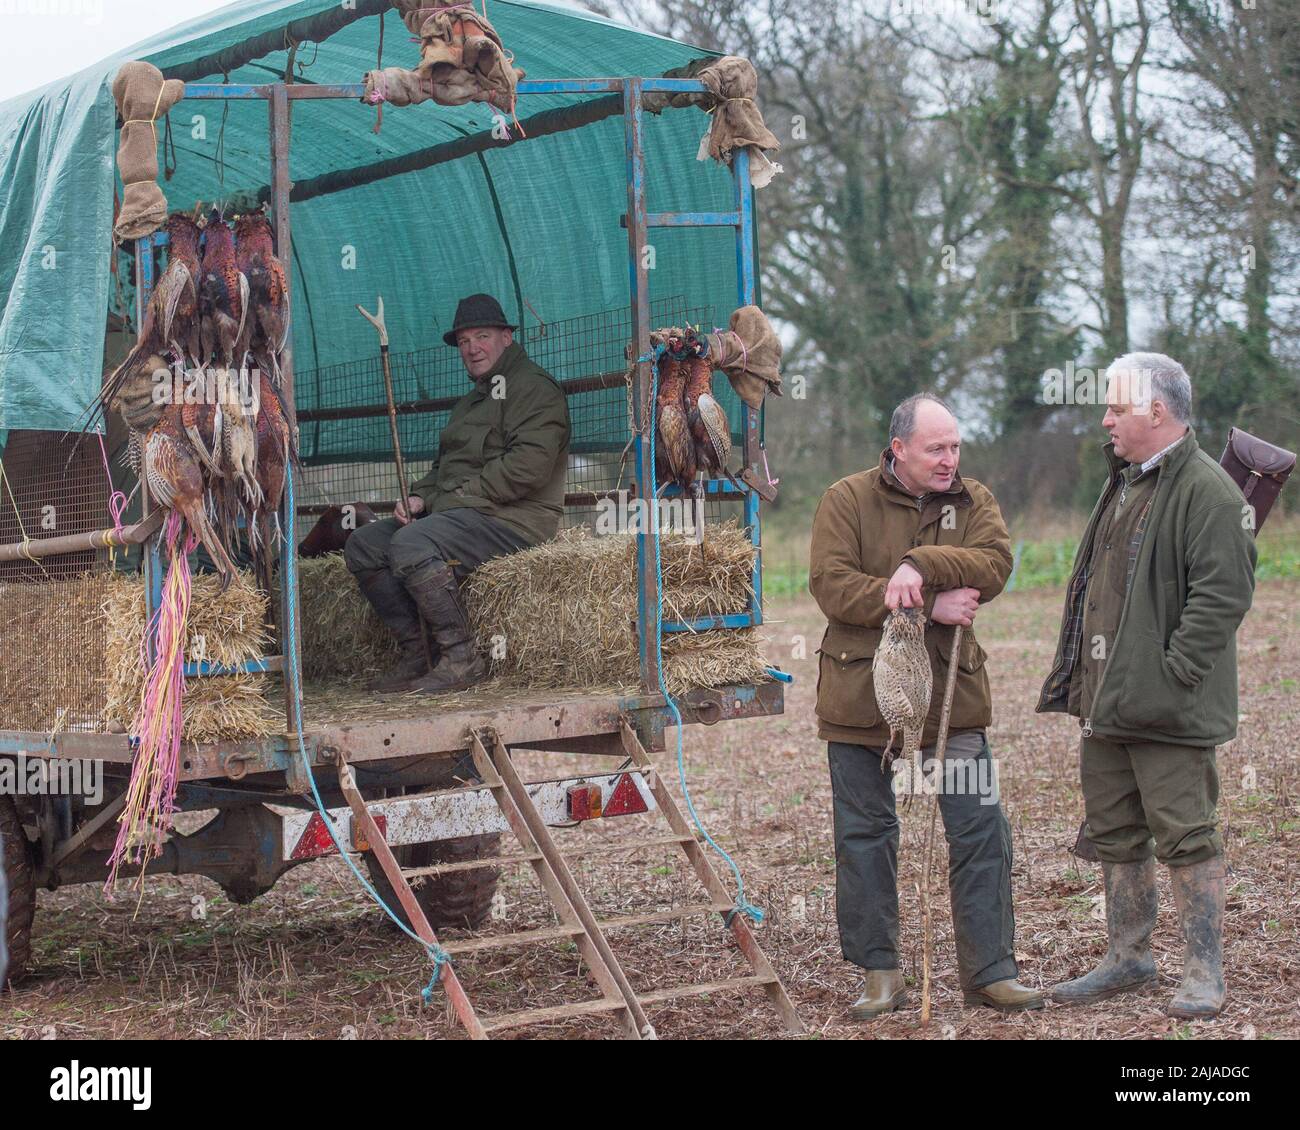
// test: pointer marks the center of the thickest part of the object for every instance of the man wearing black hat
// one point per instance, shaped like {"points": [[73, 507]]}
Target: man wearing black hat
{"points": [[496, 487]]}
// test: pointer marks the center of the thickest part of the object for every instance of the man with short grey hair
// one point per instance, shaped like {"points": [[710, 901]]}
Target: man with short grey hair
{"points": [[1147, 661]]}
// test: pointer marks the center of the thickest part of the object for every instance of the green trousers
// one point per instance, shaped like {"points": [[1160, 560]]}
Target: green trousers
{"points": [[1145, 797]]}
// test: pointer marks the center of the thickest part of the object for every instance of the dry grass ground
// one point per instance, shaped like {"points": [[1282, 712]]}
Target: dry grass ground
{"points": [[314, 959]]}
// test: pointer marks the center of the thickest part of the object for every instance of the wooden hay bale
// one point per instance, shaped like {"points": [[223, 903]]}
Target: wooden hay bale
{"points": [[224, 627], [563, 614]]}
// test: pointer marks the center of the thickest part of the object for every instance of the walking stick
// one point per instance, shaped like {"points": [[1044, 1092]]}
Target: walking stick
{"points": [[377, 320], [941, 745], [404, 495]]}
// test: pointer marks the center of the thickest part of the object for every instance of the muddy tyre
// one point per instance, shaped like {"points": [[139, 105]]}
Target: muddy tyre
{"points": [[20, 876], [461, 900]]}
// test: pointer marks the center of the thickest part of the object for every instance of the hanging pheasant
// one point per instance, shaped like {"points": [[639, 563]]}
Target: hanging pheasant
{"points": [[710, 429], [674, 448], [176, 480], [169, 336], [223, 297], [268, 315]]}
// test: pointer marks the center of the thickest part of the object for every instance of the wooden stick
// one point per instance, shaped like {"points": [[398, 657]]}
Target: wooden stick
{"points": [[950, 685], [377, 320]]}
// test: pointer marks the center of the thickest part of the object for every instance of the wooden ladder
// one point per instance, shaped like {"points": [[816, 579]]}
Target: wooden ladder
{"points": [[578, 923]]}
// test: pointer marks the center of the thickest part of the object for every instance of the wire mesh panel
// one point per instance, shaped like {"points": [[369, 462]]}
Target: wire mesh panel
{"points": [[51, 674], [346, 442]]}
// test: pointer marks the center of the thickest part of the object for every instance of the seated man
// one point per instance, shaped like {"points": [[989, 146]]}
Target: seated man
{"points": [[496, 487]]}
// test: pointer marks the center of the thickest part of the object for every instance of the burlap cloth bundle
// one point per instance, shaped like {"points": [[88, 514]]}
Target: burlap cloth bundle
{"points": [[143, 98], [462, 59], [737, 120], [748, 351]]}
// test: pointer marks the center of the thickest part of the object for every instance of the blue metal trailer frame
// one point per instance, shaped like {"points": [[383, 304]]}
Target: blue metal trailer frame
{"points": [[639, 221], [586, 721]]}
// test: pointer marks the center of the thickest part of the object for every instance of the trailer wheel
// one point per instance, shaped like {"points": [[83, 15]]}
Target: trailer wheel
{"points": [[20, 876], [461, 900]]}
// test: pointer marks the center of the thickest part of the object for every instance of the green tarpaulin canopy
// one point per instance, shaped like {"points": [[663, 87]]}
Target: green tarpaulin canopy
{"points": [[536, 223]]}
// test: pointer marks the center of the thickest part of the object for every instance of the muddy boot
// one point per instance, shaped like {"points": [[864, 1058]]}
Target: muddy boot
{"points": [[1130, 919], [394, 606], [1199, 894], [437, 594]]}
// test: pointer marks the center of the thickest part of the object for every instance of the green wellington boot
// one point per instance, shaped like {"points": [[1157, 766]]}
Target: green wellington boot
{"points": [[1199, 895], [882, 991], [1131, 907], [1006, 996]]}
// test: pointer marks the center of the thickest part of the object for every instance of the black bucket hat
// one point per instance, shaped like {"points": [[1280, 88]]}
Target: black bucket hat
{"points": [[475, 312]]}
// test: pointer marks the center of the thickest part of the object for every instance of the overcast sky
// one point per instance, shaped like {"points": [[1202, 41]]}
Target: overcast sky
{"points": [[41, 40]]}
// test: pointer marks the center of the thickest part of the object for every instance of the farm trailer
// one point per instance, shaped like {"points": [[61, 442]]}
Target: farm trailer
{"points": [[431, 776]]}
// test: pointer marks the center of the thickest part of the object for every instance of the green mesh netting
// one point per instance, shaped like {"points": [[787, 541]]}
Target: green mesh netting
{"points": [[536, 224]]}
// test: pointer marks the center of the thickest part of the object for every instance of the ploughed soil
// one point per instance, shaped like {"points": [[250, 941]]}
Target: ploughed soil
{"points": [[315, 958]]}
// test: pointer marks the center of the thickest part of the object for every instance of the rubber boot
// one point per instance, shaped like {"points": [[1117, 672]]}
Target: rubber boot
{"points": [[436, 592], [1008, 995], [1131, 907], [1199, 895], [882, 991], [394, 606]]}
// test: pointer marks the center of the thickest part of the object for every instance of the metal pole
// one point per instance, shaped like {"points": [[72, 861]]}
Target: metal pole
{"points": [[278, 106], [752, 442], [639, 280], [152, 558]]}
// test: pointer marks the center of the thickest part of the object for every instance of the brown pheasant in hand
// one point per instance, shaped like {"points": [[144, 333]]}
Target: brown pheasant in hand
{"points": [[268, 288], [674, 448], [903, 681]]}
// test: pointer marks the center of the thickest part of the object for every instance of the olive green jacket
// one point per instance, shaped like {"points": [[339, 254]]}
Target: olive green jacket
{"points": [[505, 450], [1171, 675], [866, 526]]}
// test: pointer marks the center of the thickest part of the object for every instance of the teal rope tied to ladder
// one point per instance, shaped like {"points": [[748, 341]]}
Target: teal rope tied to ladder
{"points": [[437, 954], [743, 905], [440, 959]]}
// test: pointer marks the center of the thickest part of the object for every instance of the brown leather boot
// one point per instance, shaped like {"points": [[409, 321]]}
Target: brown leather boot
{"points": [[1130, 918], [882, 991], [1199, 896], [436, 592], [394, 606]]}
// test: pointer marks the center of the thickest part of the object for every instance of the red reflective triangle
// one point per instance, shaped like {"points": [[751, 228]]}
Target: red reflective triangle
{"points": [[626, 798], [315, 840]]}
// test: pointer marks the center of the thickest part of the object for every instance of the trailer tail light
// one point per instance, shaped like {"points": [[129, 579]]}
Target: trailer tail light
{"points": [[585, 802], [359, 841]]}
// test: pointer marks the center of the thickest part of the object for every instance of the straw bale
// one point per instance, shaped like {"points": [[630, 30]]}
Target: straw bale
{"points": [[224, 628]]}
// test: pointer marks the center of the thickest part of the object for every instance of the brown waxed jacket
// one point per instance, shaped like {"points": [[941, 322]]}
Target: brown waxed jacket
{"points": [[866, 526]]}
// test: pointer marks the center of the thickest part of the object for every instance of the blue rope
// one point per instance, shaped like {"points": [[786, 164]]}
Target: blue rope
{"points": [[436, 953], [743, 905]]}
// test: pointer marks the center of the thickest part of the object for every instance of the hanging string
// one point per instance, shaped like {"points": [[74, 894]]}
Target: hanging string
{"points": [[379, 78], [169, 143], [27, 541]]}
